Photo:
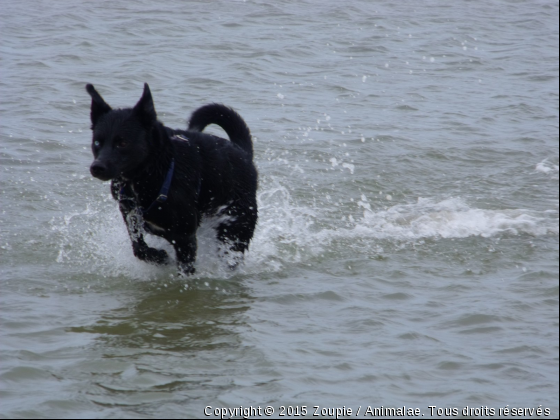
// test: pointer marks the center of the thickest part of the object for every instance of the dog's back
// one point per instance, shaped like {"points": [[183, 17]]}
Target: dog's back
{"points": [[227, 173]]}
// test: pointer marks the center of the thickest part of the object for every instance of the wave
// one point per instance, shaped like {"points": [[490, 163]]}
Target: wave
{"points": [[450, 218], [96, 240]]}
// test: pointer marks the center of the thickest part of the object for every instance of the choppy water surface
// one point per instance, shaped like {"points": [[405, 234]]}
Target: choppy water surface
{"points": [[407, 247]]}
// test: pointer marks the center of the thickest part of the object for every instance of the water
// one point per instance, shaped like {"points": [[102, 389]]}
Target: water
{"points": [[407, 247]]}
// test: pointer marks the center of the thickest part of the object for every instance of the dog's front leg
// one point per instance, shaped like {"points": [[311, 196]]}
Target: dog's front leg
{"points": [[140, 248], [185, 249], [133, 220]]}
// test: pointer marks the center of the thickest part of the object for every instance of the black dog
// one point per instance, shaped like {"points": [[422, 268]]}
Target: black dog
{"points": [[166, 180]]}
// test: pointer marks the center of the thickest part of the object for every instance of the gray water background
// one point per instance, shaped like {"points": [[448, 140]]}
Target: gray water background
{"points": [[407, 247]]}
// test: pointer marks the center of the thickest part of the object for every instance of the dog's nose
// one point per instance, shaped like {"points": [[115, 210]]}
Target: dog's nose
{"points": [[98, 170]]}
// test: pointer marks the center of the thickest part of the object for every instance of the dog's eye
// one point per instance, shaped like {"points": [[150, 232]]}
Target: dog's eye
{"points": [[121, 143], [96, 143]]}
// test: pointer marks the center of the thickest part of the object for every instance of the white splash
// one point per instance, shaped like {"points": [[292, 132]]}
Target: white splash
{"points": [[349, 166], [548, 168], [95, 240], [451, 218]]}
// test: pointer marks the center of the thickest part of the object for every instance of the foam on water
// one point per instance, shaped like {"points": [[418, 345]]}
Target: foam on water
{"points": [[547, 167], [450, 218]]}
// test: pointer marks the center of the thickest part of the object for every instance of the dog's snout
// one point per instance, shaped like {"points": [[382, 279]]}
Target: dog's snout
{"points": [[99, 170]]}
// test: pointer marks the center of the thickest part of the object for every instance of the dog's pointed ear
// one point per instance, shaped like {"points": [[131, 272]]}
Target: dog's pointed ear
{"points": [[145, 109], [98, 105]]}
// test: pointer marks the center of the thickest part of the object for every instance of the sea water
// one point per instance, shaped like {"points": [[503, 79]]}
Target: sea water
{"points": [[406, 253]]}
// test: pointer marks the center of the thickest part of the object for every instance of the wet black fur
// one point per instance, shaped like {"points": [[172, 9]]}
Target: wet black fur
{"points": [[212, 176]]}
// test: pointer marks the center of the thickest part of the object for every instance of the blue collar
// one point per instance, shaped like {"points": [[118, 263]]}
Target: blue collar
{"points": [[163, 192]]}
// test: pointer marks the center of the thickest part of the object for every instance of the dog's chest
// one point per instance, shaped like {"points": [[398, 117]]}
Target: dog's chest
{"points": [[149, 225]]}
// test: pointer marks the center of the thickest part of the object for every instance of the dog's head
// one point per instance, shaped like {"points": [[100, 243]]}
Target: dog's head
{"points": [[121, 137]]}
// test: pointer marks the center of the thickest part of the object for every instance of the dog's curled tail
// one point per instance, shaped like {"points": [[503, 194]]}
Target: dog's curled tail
{"points": [[228, 119]]}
